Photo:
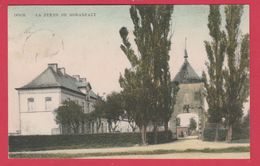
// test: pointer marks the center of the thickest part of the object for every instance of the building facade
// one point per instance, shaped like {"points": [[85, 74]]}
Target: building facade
{"points": [[39, 99], [190, 97]]}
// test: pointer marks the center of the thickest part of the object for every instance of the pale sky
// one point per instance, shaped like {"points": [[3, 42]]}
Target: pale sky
{"points": [[90, 45]]}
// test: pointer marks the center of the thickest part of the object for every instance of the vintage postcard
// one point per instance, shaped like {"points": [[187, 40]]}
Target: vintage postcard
{"points": [[129, 81]]}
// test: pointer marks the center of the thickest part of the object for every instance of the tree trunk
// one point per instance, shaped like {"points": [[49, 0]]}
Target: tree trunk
{"points": [[62, 129], [166, 127], [133, 128], [155, 134], [83, 127], [109, 126], [145, 138], [229, 134], [216, 133], [143, 134], [132, 125], [75, 129], [97, 128]]}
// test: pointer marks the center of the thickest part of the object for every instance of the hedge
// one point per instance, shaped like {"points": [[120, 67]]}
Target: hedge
{"points": [[49, 142], [209, 134], [241, 133], [162, 137], [238, 134]]}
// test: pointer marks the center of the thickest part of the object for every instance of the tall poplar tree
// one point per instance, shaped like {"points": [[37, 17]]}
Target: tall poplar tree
{"points": [[216, 53], [164, 91], [237, 72], [148, 79], [228, 88]]}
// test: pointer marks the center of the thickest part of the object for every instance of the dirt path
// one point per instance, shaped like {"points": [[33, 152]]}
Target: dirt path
{"points": [[244, 155]]}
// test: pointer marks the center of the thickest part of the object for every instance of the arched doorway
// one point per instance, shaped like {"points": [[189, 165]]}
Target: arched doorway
{"points": [[190, 100], [187, 125]]}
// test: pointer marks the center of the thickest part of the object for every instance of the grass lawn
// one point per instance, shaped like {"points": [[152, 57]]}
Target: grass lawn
{"points": [[81, 146], [154, 152]]}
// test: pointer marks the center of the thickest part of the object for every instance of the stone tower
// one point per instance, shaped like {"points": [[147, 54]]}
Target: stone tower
{"points": [[190, 97]]}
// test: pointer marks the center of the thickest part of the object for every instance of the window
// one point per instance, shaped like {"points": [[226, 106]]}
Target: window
{"points": [[47, 103], [186, 108], [30, 103]]}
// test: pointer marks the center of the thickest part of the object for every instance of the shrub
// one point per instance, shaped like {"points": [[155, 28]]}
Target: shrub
{"points": [[241, 133], [48, 142], [238, 134], [209, 134], [162, 137]]}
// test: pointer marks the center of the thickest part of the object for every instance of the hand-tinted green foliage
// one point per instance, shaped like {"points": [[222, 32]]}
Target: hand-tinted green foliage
{"points": [[178, 121], [147, 86], [193, 124], [246, 121], [110, 109], [238, 134], [209, 134], [227, 87], [113, 110], [69, 115], [216, 52], [237, 72], [49, 142]]}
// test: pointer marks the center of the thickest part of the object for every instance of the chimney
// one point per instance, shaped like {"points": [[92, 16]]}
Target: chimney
{"points": [[76, 77], [54, 66], [62, 70], [84, 80]]}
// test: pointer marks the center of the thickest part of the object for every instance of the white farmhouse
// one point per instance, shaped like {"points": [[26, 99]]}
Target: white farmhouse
{"points": [[39, 98]]}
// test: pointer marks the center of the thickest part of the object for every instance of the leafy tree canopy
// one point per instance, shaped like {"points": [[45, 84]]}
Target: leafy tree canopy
{"points": [[69, 114]]}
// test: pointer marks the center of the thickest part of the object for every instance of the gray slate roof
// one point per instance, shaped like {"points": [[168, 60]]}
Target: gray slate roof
{"points": [[51, 79], [187, 74], [93, 94]]}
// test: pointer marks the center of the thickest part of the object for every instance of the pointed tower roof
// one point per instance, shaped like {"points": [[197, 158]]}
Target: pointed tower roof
{"points": [[186, 74]]}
